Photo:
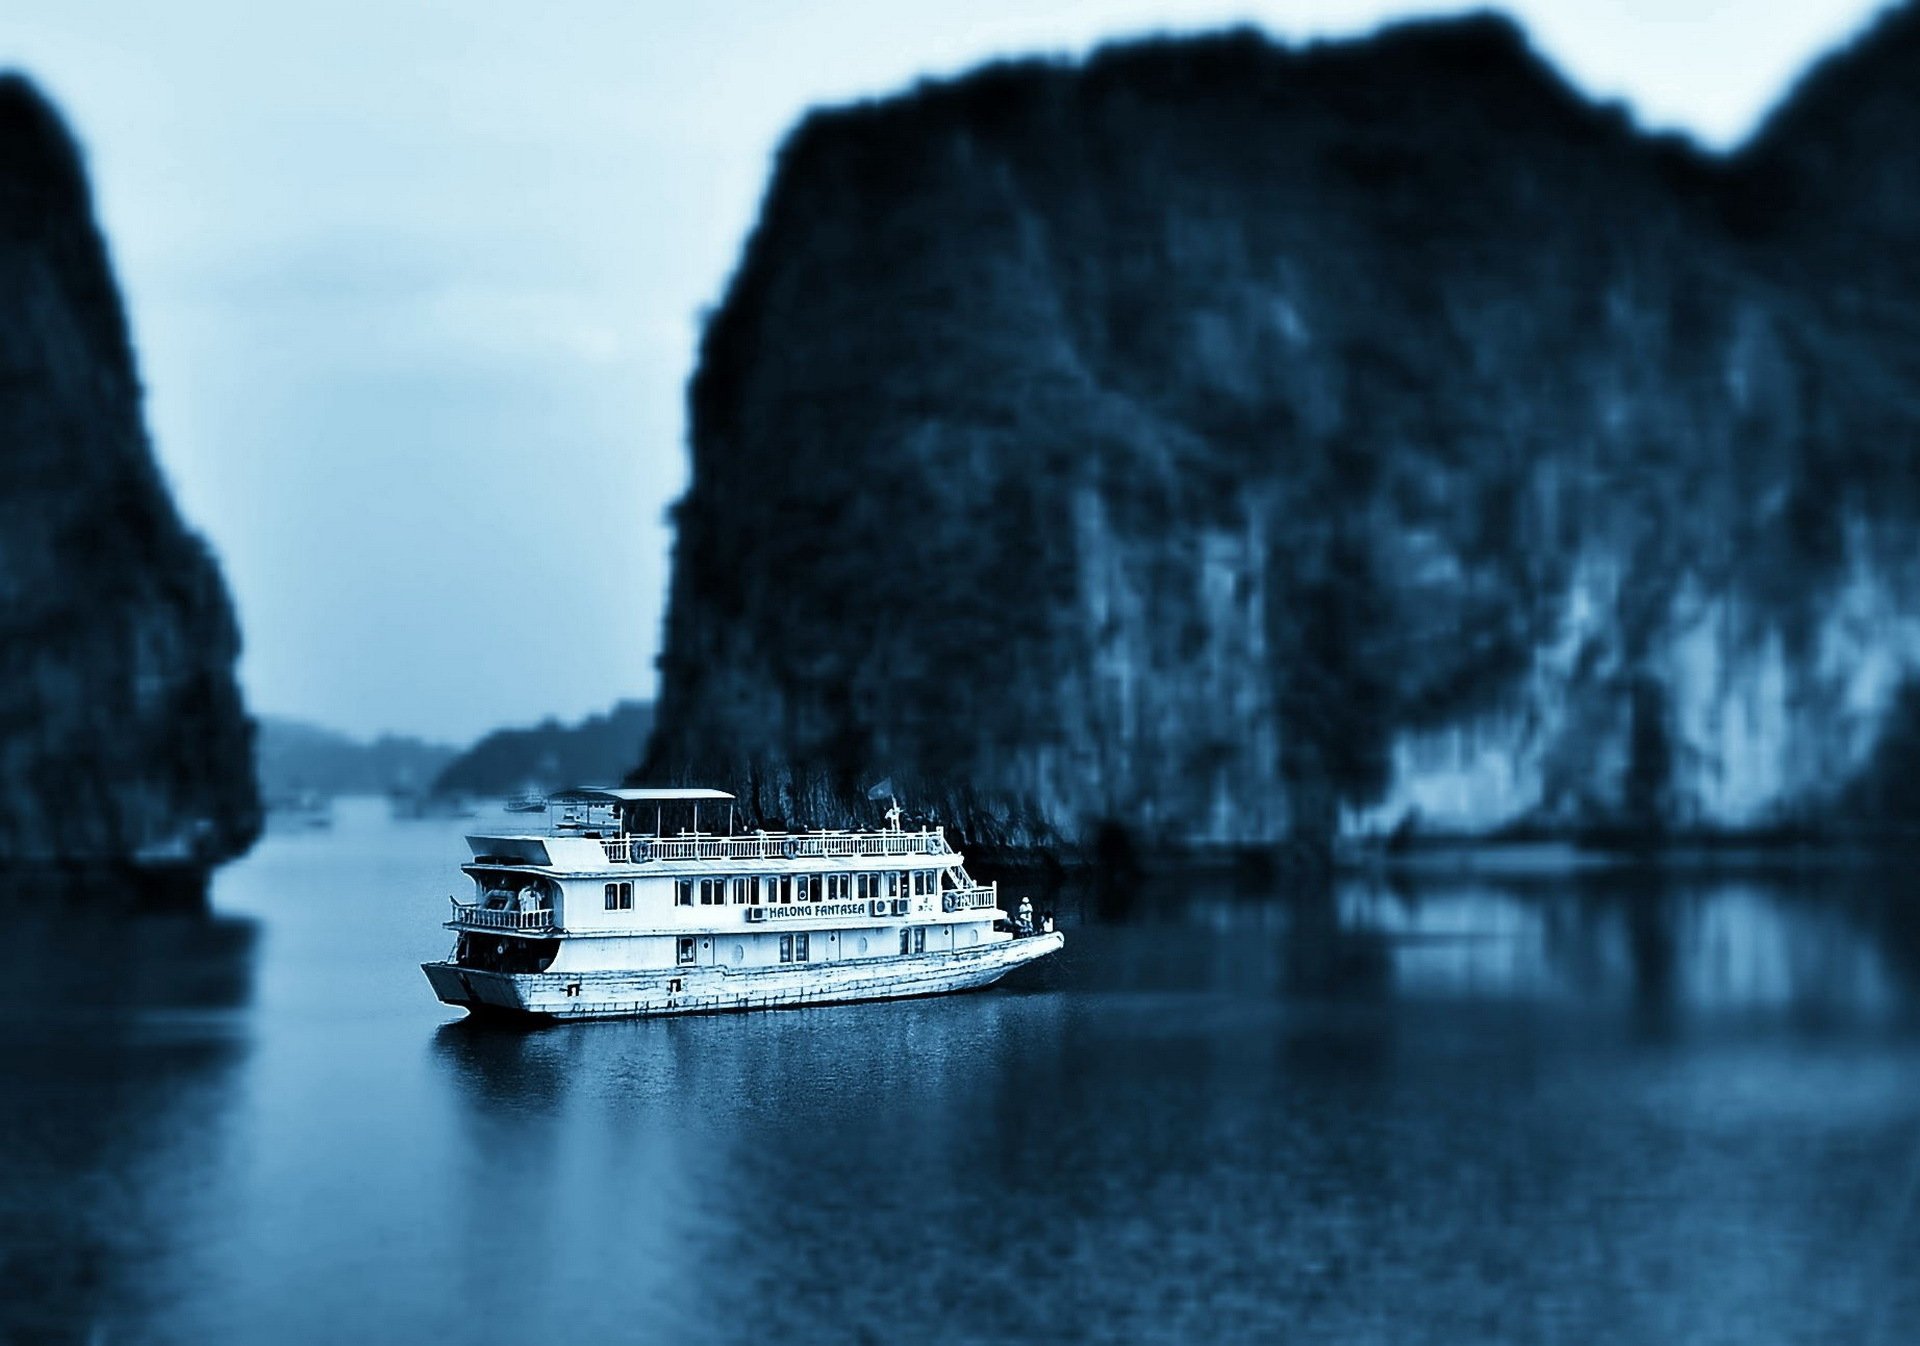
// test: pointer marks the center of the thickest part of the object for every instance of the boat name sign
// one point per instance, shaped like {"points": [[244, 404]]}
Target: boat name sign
{"points": [[792, 911]]}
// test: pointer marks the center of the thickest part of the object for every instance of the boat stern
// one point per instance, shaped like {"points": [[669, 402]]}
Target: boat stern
{"points": [[476, 991]]}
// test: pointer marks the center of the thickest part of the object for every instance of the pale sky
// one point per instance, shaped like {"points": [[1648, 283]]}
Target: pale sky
{"points": [[416, 287]]}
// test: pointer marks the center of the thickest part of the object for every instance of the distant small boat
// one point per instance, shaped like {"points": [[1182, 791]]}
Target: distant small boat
{"points": [[416, 806], [531, 802], [300, 810]]}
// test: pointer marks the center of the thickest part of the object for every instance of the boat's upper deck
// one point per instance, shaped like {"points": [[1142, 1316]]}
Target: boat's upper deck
{"points": [[588, 850], [593, 873], [593, 829]]}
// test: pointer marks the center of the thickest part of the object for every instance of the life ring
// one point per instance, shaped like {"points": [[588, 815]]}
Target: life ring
{"points": [[640, 852], [791, 849]]}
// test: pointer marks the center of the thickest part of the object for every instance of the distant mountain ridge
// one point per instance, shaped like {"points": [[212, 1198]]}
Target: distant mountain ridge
{"points": [[294, 758], [596, 751], [1238, 443]]}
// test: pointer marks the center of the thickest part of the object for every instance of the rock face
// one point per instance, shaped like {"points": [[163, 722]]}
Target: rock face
{"points": [[1237, 443], [122, 735]]}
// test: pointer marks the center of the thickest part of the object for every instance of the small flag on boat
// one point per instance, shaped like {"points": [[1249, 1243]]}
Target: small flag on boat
{"points": [[884, 790]]}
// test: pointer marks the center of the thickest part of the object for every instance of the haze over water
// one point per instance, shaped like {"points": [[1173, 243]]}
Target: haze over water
{"points": [[1579, 1110]]}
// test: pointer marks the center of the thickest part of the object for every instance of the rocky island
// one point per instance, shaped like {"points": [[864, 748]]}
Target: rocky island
{"points": [[124, 746], [1235, 443]]}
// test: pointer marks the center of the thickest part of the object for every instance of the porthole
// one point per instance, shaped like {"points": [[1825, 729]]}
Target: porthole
{"points": [[973, 936], [863, 944], [739, 953]]}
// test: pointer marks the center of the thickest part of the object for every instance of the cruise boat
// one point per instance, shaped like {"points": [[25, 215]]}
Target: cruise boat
{"points": [[597, 917]]}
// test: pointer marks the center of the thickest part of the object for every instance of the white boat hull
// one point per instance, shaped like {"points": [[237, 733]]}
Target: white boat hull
{"points": [[721, 989]]}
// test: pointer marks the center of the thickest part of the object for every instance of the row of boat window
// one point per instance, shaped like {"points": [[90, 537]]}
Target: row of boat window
{"points": [[798, 948], [758, 889]]}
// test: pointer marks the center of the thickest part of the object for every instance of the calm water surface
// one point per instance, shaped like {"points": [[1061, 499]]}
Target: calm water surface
{"points": [[1578, 1111]]}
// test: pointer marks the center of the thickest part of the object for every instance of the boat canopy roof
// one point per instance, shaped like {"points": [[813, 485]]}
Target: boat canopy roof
{"points": [[630, 795]]}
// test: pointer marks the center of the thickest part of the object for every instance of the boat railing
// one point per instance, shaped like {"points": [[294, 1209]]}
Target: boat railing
{"points": [[635, 850], [966, 899], [500, 918]]}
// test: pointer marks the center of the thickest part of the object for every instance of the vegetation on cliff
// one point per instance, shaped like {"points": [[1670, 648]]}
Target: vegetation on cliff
{"points": [[122, 734], [1234, 442]]}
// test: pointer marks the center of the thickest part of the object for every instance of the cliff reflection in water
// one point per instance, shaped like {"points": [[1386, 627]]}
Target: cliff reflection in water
{"points": [[126, 1042], [1819, 941], [1594, 1108], [1608, 1108]]}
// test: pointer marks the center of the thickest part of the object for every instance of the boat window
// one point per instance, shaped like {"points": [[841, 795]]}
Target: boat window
{"points": [[739, 892], [896, 884], [786, 948], [920, 939], [837, 885], [786, 887], [713, 892], [683, 892], [620, 897], [800, 947], [906, 938], [753, 890], [685, 951]]}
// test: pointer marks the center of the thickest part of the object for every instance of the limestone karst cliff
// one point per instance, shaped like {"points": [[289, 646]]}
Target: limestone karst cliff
{"points": [[123, 740], [1236, 442]]}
